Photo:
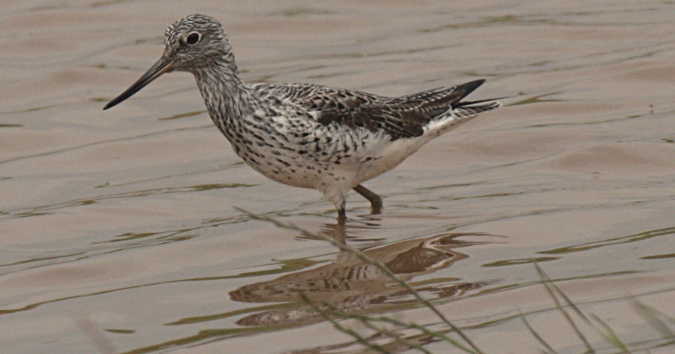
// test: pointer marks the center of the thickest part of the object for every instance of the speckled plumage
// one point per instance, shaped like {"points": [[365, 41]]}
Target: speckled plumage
{"points": [[305, 135]]}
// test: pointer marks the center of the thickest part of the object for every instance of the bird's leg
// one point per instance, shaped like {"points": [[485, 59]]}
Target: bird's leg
{"points": [[374, 199], [342, 214]]}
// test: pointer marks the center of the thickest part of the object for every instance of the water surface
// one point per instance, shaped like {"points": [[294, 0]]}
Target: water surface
{"points": [[118, 230]]}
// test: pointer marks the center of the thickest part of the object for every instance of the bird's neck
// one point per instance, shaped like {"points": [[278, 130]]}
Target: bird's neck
{"points": [[225, 94]]}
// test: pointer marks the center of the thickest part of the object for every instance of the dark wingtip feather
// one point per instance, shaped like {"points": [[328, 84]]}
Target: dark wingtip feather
{"points": [[468, 87]]}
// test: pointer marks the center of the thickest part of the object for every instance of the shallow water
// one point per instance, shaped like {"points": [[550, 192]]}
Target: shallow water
{"points": [[118, 231]]}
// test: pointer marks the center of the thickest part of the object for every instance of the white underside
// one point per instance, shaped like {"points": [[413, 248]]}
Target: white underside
{"points": [[385, 154]]}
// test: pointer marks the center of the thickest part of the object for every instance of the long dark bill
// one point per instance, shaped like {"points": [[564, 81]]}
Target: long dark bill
{"points": [[161, 66]]}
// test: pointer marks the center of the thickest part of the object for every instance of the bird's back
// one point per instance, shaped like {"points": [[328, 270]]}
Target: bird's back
{"points": [[402, 117]]}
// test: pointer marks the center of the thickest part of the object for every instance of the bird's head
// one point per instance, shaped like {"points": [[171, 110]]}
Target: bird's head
{"points": [[194, 43]]}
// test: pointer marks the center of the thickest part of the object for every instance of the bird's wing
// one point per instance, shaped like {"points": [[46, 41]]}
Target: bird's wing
{"points": [[400, 117]]}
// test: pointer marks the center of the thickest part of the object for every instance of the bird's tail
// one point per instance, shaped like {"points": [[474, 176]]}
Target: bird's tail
{"points": [[458, 111], [468, 109], [472, 108]]}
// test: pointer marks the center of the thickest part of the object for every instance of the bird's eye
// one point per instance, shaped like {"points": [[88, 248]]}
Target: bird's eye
{"points": [[192, 38]]}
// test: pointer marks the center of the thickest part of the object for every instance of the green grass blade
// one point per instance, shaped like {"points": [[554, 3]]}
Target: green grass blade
{"points": [[611, 336], [654, 318], [396, 337], [407, 325], [536, 335], [345, 330], [364, 321], [547, 284]]}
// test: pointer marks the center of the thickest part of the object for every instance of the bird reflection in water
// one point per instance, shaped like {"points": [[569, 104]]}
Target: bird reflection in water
{"points": [[352, 286]]}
